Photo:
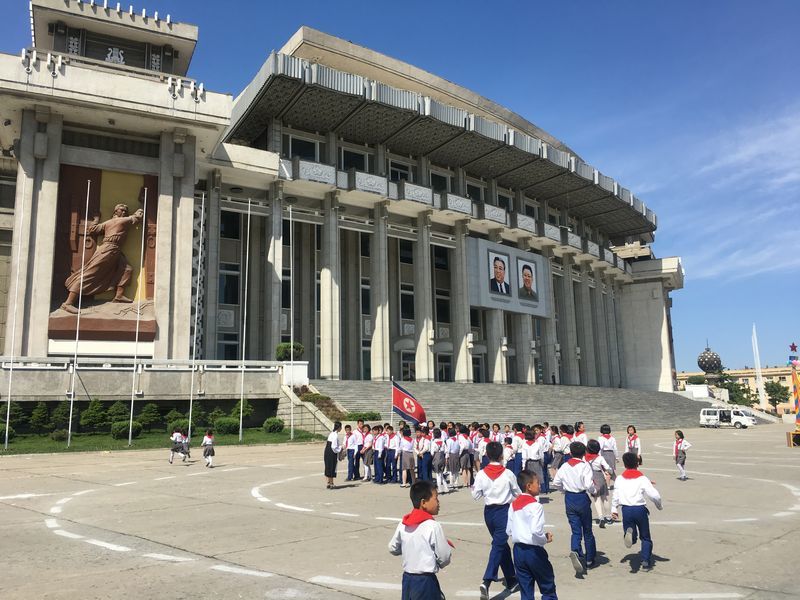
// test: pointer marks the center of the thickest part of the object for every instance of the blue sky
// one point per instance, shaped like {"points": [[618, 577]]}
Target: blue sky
{"points": [[695, 106]]}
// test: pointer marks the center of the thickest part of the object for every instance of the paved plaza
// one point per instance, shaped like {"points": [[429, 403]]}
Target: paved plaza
{"points": [[261, 525]]}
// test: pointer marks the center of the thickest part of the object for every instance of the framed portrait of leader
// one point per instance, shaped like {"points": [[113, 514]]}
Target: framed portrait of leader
{"points": [[499, 270], [526, 275]]}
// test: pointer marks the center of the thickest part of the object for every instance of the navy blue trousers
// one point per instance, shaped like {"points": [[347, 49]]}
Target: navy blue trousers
{"points": [[533, 567], [484, 462], [496, 518], [423, 586], [424, 467], [351, 465], [638, 519], [377, 477], [516, 464], [579, 515], [548, 459], [359, 457], [390, 473]]}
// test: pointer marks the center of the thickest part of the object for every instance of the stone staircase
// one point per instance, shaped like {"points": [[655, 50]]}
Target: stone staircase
{"points": [[526, 403]]}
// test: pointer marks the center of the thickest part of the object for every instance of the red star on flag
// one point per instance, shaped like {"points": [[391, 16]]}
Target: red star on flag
{"points": [[793, 347]]}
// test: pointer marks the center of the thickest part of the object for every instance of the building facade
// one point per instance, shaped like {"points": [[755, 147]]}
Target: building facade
{"points": [[411, 228]]}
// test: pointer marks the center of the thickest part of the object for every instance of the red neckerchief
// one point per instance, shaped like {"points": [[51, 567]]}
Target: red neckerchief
{"points": [[347, 438], [522, 501], [530, 442], [519, 434], [428, 437], [574, 461], [568, 436], [677, 446], [493, 470], [391, 435], [606, 435], [407, 439], [632, 474], [417, 516], [590, 457]]}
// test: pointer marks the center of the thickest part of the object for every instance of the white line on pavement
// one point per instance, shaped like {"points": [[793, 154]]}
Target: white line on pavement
{"points": [[51, 523], [339, 514], [673, 523], [167, 557], [743, 520], [63, 500], [692, 596], [126, 483], [82, 492], [68, 534], [233, 469], [376, 585], [691, 472], [238, 571], [396, 520], [275, 466], [23, 496], [783, 514], [198, 473], [163, 478], [108, 546], [55, 510], [291, 507]]}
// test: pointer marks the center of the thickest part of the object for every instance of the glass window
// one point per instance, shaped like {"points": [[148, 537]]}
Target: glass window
{"points": [[442, 310], [366, 365], [400, 172], [365, 244], [441, 258], [304, 149], [474, 192], [228, 288], [406, 305], [7, 191], [286, 234], [286, 290], [365, 301], [228, 350], [440, 183], [504, 202], [230, 225], [349, 159], [530, 211], [406, 252], [408, 366], [475, 318]]}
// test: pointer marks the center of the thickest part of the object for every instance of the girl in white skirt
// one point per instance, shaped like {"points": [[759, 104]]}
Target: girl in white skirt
{"points": [[208, 448], [679, 450]]}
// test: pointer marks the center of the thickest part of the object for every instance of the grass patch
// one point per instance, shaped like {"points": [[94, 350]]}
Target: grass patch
{"points": [[93, 442]]}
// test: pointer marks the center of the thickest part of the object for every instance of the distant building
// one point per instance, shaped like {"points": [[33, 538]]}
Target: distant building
{"points": [[747, 377]]}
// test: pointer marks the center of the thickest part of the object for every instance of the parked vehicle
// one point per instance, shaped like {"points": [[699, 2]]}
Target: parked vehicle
{"points": [[728, 417]]}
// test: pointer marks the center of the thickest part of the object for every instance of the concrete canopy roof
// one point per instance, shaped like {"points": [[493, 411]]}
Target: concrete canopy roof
{"points": [[315, 97]]}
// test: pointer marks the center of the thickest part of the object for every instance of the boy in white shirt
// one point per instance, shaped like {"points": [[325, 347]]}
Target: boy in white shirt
{"points": [[498, 487], [526, 530], [379, 439], [351, 445], [368, 452], [630, 493], [421, 542]]}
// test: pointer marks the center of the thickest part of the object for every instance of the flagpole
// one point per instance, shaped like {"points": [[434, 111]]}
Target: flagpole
{"points": [[244, 321], [138, 318], [391, 401]]}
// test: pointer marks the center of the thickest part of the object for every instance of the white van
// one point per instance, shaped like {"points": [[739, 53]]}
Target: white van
{"points": [[717, 417]]}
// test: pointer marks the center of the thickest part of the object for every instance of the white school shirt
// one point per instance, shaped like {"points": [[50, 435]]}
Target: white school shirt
{"points": [[508, 454], [574, 476], [518, 441], [608, 444], [482, 443], [443, 435], [581, 437], [207, 441], [392, 441], [424, 547], [599, 464], [406, 444], [526, 522], [438, 446], [333, 438], [497, 436], [633, 444], [422, 446], [464, 443], [351, 442], [558, 443], [632, 488], [176, 437], [527, 451], [495, 491], [369, 441], [680, 445], [548, 435], [453, 446], [359, 438], [380, 443]]}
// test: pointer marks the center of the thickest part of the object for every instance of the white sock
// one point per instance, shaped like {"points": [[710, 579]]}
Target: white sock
{"points": [[682, 470]]}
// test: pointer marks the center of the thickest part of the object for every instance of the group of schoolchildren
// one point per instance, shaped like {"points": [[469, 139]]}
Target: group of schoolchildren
{"points": [[513, 473], [180, 446]]}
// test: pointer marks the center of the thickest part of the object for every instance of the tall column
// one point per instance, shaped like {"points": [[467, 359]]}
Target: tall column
{"points": [[523, 336], [460, 305], [274, 269], [569, 328], [611, 326], [380, 366], [547, 349], [495, 349], [184, 169], [211, 251], [305, 277], [258, 347], [601, 331], [618, 316], [350, 291], [330, 278], [583, 315], [423, 300], [164, 247]]}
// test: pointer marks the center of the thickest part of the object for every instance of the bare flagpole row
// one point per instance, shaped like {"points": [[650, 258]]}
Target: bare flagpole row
{"points": [[244, 321], [196, 309], [138, 317], [78, 320], [14, 316]]}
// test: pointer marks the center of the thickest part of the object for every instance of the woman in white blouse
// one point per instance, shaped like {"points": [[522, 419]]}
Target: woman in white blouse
{"points": [[332, 448]]}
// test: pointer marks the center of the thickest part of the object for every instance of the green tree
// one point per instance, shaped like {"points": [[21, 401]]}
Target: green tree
{"points": [[283, 351], [174, 415], [59, 418], [40, 418], [149, 416], [696, 379], [246, 411], [119, 411], [216, 414], [18, 416], [94, 417], [776, 392]]}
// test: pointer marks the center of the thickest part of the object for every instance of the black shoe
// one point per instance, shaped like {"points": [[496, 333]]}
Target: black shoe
{"points": [[602, 523], [646, 566]]}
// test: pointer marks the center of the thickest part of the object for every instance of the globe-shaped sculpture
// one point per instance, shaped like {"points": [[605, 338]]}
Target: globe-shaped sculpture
{"points": [[709, 361]]}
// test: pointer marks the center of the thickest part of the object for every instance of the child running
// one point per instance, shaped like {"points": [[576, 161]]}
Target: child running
{"points": [[633, 443], [526, 530], [601, 475], [679, 450], [208, 448], [421, 542], [177, 444], [608, 448], [630, 493]]}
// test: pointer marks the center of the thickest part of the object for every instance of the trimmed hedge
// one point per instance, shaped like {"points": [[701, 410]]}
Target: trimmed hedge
{"points": [[179, 424], [367, 415], [119, 429], [226, 425], [11, 432], [59, 435], [273, 425]]}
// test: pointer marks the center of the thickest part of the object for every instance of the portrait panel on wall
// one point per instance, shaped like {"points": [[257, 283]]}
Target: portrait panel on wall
{"points": [[499, 275], [526, 275]]}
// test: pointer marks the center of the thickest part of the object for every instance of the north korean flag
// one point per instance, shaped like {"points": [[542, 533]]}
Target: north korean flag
{"points": [[405, 405]]}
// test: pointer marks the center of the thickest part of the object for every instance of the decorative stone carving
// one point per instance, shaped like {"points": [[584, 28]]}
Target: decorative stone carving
{"points": [[367, 182], [74, 45], [225, 318], [312, 171], [459, 204], [525, 222], [552, 232], [416, 193], [593, 248], [408, 328], [116, 56], [494, 213], [443, 332], [155, 62]]}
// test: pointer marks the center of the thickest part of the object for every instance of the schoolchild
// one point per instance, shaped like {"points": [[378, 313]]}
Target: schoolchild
{"points": [[497, 486], [580, 433], [557, 450], [568, 433], [351, 445], [185, 444], [679, 451], [443, 429], [177, 444], [526, 530], [438, 461], [508, 452], [391, 473], [483, 441], [358, 434], [422, 452], [368, 453], [608, 448], [453, 459], [574, 478], [633, 443], [497, 435], [379, 453], [421, 542], [518, 440], [407, 466], [601, 475], [332, 448], [464, 456], [208, 448], [630, 495]]}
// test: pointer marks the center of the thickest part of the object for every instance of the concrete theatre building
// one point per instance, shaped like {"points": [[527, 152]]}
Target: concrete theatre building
{"points": [[420, 231]]}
